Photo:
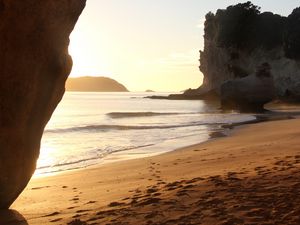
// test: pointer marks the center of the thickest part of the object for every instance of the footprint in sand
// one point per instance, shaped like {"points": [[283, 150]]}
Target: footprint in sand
{"points": [[77, 222], [52, 214], [173, 186], [149, 201], [151, 215], [75, 199], [115, 204], [38, 188], [76, 216], [55, 220], [151, 190], [79, 215], [181, 193], [160, 182], [196, 179], [156, 194], [82, 210]]}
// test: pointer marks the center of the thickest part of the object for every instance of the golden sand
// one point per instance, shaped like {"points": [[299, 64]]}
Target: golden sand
{"points": [[250, 177]]}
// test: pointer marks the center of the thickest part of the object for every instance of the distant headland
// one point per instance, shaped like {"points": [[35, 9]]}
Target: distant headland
{"points": [[149, 90], [94, 84]]}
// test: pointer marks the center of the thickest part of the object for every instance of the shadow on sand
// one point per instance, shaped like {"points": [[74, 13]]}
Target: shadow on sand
{"points": [[11, 217]]}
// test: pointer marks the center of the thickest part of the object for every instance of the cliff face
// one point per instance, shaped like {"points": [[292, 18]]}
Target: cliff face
{"points": [[218, 67], [94, 84], [34, 39], [240, 38]]}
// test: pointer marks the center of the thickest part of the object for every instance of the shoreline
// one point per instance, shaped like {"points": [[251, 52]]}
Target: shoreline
{"points": [[112, 189], [127, 155], [223, 131]]}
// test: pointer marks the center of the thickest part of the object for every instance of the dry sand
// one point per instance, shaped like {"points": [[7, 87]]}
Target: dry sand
{"points": [[250, 177]]}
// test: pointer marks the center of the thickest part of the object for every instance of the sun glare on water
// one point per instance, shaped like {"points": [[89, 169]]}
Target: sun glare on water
{"points": [[45, 159]]}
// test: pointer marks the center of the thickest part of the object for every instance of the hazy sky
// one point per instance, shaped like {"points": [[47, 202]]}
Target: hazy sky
{"points": [[148, 44]]}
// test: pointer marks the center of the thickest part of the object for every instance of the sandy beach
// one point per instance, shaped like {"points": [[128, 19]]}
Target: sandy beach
{"points": [[149, 112], [250, 177]]}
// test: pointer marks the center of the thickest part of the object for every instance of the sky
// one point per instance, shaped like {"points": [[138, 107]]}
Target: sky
{"points": [[148, 44]]}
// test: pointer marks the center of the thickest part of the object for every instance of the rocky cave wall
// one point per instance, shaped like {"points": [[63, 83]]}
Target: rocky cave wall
{"points": [[34, 65]]}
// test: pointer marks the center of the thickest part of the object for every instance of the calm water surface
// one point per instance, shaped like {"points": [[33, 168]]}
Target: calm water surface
{"points": [[91, 128]]}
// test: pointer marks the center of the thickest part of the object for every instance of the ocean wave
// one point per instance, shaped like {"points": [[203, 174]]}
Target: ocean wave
{"points": [[67, 163], [104, 127], [138, 114], [100, 155]]}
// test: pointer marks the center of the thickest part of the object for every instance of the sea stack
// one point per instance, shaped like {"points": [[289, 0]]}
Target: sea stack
{"points": [[34, 39]]}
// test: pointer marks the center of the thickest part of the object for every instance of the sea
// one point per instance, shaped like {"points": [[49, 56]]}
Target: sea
{"points": [[89, 128]]}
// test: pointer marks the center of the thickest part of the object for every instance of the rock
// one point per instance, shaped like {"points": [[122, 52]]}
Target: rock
{"points": [[240, 38], [34, 39], [249, 94], [190, 94], [200, 94], [94, 84], [12, 217]]}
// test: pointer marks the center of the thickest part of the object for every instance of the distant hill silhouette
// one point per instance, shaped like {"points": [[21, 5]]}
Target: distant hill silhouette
{"points": [[149, 90], [94, 84]]}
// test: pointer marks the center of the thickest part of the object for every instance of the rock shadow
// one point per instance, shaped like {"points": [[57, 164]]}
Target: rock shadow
{"points": [[12, 217]]}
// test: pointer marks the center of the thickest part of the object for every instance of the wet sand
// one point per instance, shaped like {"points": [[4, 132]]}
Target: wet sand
{"points": [[250, 177]]}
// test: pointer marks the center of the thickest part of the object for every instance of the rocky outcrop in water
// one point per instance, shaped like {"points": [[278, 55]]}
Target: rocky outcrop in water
{"points": [[240, 38], [34, 39]]}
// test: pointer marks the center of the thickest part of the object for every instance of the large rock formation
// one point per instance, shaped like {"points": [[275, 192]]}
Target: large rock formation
{"points": [[240, 38], [249, 93], [34, 39]]}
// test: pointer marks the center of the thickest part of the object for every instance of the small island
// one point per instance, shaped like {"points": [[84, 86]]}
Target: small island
{"points": [[94, 84], [149, 90]]}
